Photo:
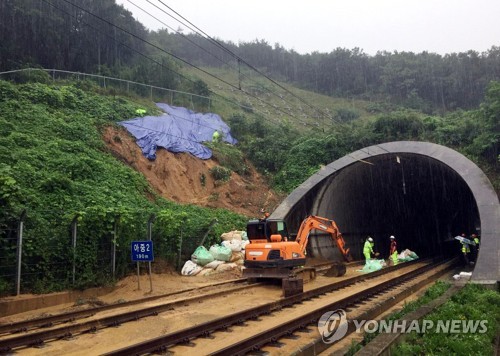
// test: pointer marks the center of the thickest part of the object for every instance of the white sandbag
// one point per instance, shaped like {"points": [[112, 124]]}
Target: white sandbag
{"points": [[206, 271], [244, 244], [465, 275], [226, 267], [232, 235], [236, 256], [214, 264], [190, 269], [234, 245]]}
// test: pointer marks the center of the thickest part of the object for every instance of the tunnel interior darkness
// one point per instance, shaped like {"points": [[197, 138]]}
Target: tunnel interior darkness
{"points": [[414, 197]]}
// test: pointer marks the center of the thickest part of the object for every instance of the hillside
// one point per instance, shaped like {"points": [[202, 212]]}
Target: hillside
{"points": [[178, 177]]}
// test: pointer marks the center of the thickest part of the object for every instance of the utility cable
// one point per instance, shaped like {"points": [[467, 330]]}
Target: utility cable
{"points": [[171, 54], [241, 59], [153, 60], [205, 50]]}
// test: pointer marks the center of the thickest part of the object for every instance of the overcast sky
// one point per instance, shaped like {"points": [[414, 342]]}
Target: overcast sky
{"points": [[439, 26]]}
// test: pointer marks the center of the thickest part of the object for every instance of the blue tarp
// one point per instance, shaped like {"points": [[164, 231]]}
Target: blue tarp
{"points": [[178, 130]]}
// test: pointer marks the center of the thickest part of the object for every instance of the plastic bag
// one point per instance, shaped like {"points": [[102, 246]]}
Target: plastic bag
{"points": [[190, 269], [235, 234], [234, 244], [201, 256], [214, 264], [372, 266], [220, 253]]}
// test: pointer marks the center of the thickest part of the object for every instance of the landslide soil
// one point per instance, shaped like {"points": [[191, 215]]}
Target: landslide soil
{"points": [[178, 177]]}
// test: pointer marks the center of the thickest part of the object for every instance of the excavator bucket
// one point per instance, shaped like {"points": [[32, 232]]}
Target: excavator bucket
{"points": [[338, 269]]}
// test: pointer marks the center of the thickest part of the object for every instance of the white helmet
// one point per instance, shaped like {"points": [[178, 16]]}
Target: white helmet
{"points": [[370, 239], [392, 237]]}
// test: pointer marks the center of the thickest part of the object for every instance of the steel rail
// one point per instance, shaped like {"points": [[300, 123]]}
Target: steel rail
{"points": [[48, 321], [65, 331], [259, 340], [161, 343]]}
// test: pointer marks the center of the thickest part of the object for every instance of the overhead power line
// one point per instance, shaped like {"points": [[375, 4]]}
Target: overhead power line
{"points": [[147, 57], [170, 54], [220, 45]]}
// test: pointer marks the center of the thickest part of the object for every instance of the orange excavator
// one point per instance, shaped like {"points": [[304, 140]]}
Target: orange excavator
{"points": [[271, 254]]}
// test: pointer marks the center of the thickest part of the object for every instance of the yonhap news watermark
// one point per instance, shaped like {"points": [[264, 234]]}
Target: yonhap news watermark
{"points": [[333, 326]]}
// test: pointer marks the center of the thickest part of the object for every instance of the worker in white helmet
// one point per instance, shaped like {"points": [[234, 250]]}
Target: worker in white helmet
{"points": [[368, 248]]}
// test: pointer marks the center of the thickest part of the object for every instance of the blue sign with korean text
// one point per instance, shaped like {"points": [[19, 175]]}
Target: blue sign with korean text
{"points": [[142, 251]]}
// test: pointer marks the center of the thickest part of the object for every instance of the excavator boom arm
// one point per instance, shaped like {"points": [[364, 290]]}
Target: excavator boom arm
{"points": [[322, 224]]}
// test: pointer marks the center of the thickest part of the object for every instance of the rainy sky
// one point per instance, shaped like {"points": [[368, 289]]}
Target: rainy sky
{"points": [[439, 26]]}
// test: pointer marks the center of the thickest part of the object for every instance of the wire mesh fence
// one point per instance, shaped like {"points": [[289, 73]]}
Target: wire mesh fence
{"points": [[58, 251], [155, 93]]}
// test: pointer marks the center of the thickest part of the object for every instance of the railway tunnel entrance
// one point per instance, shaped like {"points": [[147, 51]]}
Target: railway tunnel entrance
{"points": [[422, 193]]}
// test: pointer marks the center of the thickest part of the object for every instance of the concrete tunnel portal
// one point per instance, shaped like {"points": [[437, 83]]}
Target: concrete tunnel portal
{"points": [[422, 193]]}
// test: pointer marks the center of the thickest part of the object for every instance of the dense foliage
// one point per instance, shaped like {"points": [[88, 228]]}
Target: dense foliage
{"points": [[102, 37], [54, 165], [291, 157], [474, 303]]}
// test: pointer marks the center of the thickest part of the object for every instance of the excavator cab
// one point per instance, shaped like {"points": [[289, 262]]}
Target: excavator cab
{"points": [[262, 230]]}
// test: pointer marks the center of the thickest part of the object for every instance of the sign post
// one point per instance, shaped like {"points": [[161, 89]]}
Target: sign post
{"points": [[142, 251]]}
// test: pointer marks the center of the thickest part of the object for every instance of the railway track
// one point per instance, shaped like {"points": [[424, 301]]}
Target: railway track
{"points": [[72, 316], [36, 338], [252, 337], [49, 321]]}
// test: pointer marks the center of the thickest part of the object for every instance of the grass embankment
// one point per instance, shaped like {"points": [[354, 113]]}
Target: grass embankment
{"points": [[55, 166], [473, 302]]}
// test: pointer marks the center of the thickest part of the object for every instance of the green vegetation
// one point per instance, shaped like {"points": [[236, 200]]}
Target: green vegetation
{"points": [[436, 290], [474, 302], [54, 165]]}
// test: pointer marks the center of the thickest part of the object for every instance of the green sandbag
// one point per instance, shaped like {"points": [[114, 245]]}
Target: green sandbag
{"points": [[201, 256], [221, 253], [372, 266]]}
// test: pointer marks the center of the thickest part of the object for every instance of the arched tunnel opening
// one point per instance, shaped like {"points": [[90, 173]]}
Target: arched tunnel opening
{"points": [[422, 193], [419, 200]]}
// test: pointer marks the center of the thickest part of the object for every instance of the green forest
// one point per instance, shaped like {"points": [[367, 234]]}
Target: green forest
{"points": [[54, 167]]}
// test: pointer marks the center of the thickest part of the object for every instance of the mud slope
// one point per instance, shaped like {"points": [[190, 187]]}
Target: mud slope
{"points": [[177, 177]]}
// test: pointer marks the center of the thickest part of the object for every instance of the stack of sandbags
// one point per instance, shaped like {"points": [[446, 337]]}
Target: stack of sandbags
{"points": [[228, 255]]}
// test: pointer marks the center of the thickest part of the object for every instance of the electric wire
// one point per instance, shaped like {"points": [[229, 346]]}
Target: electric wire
{"points": [[153, 45], [242, 60], [164, 51], [154, 61], [211, 54]]}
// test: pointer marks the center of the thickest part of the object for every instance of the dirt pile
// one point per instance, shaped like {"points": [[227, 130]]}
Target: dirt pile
{"points": [[179, 177]]}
